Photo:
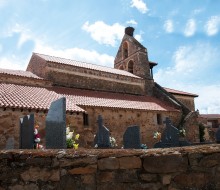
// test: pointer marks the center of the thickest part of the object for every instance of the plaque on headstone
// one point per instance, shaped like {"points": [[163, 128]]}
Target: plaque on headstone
{"points": [[131, 137], [27, 132], [10, 143], [217, 135], [56, 125], [102, 137]]}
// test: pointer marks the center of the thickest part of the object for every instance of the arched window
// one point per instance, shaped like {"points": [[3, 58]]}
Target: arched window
{"points": [[125, 50], [131, 66]]}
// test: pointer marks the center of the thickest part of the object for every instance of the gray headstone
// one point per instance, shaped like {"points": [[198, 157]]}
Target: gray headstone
{"points": [[102, 136], [131, 137], [56, 125], [217, 135], [170, 134], [10, 143], [27, 132]]}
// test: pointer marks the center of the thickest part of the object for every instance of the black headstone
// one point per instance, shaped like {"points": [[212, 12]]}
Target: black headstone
{"points": [[170, 134], [27, 132], [217, 135], [131, 137], [102, 137], [56, 125]]}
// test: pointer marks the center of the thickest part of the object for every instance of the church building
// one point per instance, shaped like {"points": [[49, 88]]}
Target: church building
{"points": [[124, 95]]}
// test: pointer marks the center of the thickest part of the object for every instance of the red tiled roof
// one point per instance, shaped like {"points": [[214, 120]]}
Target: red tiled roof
{"points": [[172, 91], [210, 116], [112, 100], [27, 74], [85, 65], [18, 96]]}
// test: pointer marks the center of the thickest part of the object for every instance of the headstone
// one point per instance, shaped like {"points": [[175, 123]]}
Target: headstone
{"points": [[170, 137], [131, 137], [217, 135], [27, 132], [10, 143], [170, 134], [102, 137], [56, 125]]}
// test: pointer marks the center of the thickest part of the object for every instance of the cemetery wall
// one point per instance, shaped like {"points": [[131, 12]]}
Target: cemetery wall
{"points": [[195, 167], [117, 121]]}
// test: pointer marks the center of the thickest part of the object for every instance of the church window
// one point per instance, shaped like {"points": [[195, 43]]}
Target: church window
{"points": [[130, 66], [85, 119], [159, 119], [125, 50]]}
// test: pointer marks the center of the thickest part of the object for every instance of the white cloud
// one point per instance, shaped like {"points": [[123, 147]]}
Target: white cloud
{"points": [[103, 33], [12, 62], [213, 25], [132, 22], [190, 72], [168, 26], [190, 28], [138, 37], [140, 5], [3, 3]]}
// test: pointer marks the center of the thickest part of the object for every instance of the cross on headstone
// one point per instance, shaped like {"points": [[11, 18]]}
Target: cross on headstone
{"points": [[27, 132], [131, 137], [56, 125], [102, 136]]}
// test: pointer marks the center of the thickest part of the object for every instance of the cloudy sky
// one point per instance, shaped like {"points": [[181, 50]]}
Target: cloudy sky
{"points": [[182, 36]]}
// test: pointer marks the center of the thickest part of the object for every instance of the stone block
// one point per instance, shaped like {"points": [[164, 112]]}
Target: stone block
{"points": [[88, 179], [165, 163], [148, 177], [83, 170], [104, 177], [129, 162], [166, 179], [110, 163]]}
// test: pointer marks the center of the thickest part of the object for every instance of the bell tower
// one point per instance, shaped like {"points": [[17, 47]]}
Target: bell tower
{"points": [[132, 56]]}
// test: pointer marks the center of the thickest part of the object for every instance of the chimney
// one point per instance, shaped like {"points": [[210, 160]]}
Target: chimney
{"points": [[129, 31]]}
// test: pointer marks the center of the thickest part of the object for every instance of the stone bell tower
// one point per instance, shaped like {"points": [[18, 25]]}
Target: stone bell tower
{"points": [[132, 56]]}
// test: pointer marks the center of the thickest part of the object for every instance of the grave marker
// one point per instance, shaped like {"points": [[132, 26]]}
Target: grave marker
{"points": [[131, 137]]}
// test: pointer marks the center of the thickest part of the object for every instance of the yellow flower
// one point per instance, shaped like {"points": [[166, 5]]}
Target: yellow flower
{"points": [[76, 146], [77, 137]]}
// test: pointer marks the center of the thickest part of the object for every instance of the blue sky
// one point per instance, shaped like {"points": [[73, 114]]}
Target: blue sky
{"points": [[182, 36]]}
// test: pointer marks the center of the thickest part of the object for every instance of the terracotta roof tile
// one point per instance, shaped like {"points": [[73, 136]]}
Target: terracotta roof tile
{"points": [[173, 91], [112, 100], [85, 65], [18, 96], [21, 73]]}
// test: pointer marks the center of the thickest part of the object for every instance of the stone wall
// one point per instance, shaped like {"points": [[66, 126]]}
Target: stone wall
{"points": [[189, 168], [10, 124], [117, 121], [187, 101]]}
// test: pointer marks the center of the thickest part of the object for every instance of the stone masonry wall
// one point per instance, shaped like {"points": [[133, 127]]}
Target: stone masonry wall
{"points": [[70, 76], [10, 126], [117, 121], [189, 168], [187, 101]]}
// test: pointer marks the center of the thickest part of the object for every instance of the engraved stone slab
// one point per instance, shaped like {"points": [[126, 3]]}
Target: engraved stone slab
{"points": [[102, 136], [27, 132], [131, 137], [56, 125]]}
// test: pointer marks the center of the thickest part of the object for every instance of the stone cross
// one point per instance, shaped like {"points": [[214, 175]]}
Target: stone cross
{"points": [[56, 125], [131, 137], [102, 136], [27, 132]]}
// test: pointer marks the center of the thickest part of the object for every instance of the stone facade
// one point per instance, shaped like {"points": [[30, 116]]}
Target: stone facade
{"points": [[187, 101], [195, 168]]}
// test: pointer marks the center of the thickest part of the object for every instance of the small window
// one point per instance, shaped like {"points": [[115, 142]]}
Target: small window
{"points": [[130, 66], [85, 119], [159, 119], [125, 50]]}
